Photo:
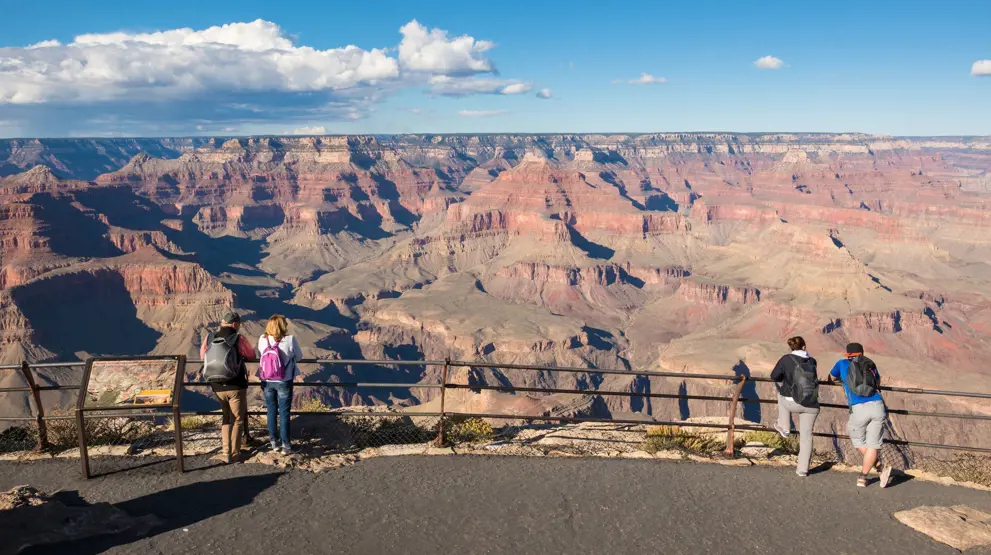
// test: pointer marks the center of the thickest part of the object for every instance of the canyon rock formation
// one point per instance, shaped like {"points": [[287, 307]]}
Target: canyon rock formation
{"points": [[669, 252]]}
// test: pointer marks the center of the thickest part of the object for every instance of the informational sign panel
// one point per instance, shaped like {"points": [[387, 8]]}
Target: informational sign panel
{"points": [[127, 388], [134, 382]]}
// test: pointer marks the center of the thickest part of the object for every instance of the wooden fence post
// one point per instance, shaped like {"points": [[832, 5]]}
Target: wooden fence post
{"points": [[730, 451]]}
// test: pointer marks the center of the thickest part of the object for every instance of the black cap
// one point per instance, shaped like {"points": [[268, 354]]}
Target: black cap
{"points": [[854, 349], [231, 317]]}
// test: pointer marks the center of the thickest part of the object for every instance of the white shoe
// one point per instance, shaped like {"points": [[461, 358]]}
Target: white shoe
{"points": [[782, 432], [287, 450]]}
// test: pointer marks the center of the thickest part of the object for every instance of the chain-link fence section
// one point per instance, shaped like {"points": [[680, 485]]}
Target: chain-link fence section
{"points": [[18, 437], [121, 443]]}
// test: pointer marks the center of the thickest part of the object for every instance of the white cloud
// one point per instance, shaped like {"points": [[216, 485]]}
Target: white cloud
{"points": [[644, 79], [312, 130], [481, 113], [544, 93], [240, 74], [173, 64], [769, 62], [415, 111], [432, 52], [981, 68], [452, 86]]}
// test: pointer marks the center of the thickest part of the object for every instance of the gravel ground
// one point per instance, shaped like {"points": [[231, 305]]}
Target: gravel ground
{"points": [[476, 504]]}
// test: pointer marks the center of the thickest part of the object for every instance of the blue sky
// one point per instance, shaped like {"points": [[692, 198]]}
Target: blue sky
{"points": [[902, 68]]}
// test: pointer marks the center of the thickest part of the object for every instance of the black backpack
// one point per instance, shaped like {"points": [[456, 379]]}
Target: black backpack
{"points": [[222, 363], [861, 377], [805, 382]]}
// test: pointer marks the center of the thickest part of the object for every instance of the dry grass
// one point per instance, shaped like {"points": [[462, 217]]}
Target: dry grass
{"points": [[62, 434], [675, 438]]}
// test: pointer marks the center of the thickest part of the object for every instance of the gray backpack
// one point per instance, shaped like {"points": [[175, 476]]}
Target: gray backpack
{"points": [[805, 382], [861, 376], [222, 363]]}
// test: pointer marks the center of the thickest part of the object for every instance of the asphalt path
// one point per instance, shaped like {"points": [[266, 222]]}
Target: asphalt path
{"points": [[473, 504]]}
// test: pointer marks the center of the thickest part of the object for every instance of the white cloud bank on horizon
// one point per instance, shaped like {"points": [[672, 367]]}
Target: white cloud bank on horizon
{"points": [[234, 73], [769, 62], [311, 130], [981, 68], [645, 79], [481, 113]]}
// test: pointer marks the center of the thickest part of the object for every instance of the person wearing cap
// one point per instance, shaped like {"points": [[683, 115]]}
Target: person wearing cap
{"points": [[232, 395], [867, 413]]}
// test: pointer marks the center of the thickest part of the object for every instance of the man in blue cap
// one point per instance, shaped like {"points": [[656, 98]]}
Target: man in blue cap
{"points": [[861, 382]]}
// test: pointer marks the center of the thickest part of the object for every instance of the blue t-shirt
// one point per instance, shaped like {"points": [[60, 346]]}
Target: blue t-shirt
{"points": [[840, 370]]}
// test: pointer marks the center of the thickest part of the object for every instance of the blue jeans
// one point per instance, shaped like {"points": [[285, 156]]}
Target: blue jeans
{"points": [[278, 395]]}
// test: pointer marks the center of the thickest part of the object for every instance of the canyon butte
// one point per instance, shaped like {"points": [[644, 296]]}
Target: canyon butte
{"points": [[695, 253]]}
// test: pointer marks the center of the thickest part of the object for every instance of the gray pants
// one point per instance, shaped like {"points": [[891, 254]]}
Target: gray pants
{"points": [[806, 421]]}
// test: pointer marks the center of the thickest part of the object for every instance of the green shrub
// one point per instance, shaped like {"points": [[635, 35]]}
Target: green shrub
{"points": [[195, 422], [773, 440], [312, 404], [673, 438], [460, 429]]}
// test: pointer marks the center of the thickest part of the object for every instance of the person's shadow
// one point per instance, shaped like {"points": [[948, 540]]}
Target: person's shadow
{"points": [[177, 508], [751, 411]]}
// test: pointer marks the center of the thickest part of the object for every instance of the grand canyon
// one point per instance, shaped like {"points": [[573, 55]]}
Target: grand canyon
{"points": [[670, 252]]}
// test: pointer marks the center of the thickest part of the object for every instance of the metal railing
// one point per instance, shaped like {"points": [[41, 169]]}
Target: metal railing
{"points": [[40, 417]]}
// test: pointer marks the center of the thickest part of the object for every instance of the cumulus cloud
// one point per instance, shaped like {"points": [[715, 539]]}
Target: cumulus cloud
{"points": [[431, 51], [481, 113], [981, 68], [233, 74], [312, 130], [544, 93], [450, 86], [245, 57], [769, 62], [644, 79]]}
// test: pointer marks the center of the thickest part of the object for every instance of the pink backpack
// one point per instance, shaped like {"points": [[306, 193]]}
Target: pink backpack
{"points": [[270, 366]]}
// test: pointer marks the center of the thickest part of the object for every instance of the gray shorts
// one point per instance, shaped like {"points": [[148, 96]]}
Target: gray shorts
{"points": [[866, 424]]}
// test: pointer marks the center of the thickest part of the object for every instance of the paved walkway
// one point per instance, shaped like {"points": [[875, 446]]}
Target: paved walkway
{"points": [[472, 504]]}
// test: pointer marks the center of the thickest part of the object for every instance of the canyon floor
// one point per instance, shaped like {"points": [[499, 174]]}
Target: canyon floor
{"points": [[478, 504]]}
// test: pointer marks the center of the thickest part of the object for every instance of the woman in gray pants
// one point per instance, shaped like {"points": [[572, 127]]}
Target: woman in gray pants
{"points": [[790, 369]]}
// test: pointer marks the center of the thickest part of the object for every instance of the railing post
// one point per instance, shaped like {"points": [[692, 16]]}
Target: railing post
{"points": [[177, 413], [732, 416], [443, 397], [39, 408]]}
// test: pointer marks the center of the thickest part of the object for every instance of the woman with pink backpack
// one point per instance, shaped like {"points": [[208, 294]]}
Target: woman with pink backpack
{"points": [[277, 367]]}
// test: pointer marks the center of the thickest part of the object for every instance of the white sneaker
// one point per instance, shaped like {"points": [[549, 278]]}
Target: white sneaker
{"points": [[801, 474], [274, 446], [885, 476], [782, 432], [287, 450]]}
